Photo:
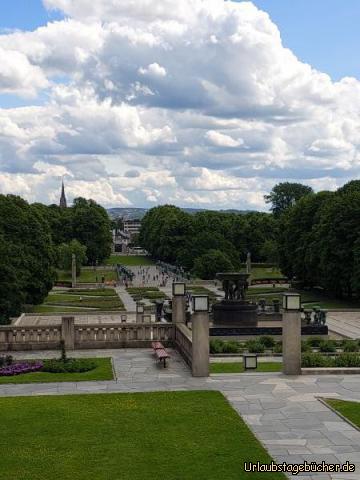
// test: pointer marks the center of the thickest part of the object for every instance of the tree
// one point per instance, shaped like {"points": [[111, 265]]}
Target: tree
{"points": [[27, 255], [65, 252], [91, 226], [285, 195], [209, 264]]}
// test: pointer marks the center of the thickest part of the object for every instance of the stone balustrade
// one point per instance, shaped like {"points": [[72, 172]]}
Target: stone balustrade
{"points": [[121, 335], [29, 338], [183, 342]]}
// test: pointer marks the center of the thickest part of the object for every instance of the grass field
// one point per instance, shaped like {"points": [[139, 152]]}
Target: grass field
{"points": [[84, 300], [141, 436], [129, 260], [150, 293], [350, 410], [238, 367], [89, 276], [103, 371], [263, 272]]}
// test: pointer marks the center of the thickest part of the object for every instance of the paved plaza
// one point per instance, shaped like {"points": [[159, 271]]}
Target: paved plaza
{"points": [[283, 412]]}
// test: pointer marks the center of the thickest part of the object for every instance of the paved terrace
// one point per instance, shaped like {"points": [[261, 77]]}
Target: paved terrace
{"points": [[283, 412]]}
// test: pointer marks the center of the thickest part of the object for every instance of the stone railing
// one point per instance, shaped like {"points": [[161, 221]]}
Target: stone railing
{"points": [[29, 338], [120, 335], [183, 342]]}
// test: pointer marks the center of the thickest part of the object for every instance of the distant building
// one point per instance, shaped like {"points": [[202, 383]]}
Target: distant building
{"points": [[63, 202], [132, 227]]}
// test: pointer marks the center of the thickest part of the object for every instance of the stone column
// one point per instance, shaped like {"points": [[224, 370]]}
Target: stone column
{"points": [[68, 332], [200, 344], [73, 270], [178, 309], [291, 342]]}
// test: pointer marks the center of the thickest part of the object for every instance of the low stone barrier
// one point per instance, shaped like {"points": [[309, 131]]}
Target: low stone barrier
{"points": [[183, 342], [112, 335]]}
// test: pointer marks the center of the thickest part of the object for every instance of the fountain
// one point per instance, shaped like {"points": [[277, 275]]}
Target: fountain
{"points": [[235, 310]]}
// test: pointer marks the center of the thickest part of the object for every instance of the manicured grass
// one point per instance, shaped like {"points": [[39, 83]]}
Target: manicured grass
{"points": [[151, 293], [263, 272], [141, 436], [59, 301], [238, 367], [130, 260], [89, 276], [350, 410], [103, 371]]}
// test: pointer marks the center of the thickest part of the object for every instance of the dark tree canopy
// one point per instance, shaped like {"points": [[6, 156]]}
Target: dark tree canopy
{"points": [[285, 195], [26, 256]]}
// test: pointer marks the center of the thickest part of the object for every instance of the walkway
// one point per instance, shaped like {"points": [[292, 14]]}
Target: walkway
{"points": [[283, 412], [126, 298]]}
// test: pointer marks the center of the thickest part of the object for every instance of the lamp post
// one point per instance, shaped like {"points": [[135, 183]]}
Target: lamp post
{"points": [[200, 336], [178, 302], [291, 334], [139, 312], [250, 361]]}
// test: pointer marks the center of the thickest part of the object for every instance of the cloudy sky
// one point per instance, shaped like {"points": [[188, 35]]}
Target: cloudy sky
{"points": [[203, 103]]}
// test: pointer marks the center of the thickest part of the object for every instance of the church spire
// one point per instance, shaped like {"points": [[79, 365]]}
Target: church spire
{"points": [[63, 203]]}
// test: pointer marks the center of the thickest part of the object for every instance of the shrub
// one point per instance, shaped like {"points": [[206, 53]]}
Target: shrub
{"points": [[6, 361], [71, 365], [305, 347], [315, 342], [278, 348], [328, 346], [350, 346], [255, 346], [216, 346], [347, 360], [311, 360], [230, 347], [267, 341]]}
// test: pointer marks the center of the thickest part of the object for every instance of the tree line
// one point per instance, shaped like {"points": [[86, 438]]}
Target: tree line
{"points": [[35, 239]]}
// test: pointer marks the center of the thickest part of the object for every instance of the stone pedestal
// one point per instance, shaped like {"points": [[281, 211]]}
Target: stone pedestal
{"points": [[68, 332], [178, 309], [200, 344], [291, 338]]}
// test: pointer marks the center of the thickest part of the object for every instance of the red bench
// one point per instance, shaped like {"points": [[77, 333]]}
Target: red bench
{"points": [[160, 352]]}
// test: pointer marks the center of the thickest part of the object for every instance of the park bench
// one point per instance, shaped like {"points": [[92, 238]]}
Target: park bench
{"points": [[160, 352]]}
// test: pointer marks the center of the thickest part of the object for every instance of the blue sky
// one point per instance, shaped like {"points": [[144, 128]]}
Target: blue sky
{"points": [[190, 102], [324, 33]]}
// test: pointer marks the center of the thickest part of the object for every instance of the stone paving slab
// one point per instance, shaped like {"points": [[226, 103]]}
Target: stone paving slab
{"points": [[283, 412]]}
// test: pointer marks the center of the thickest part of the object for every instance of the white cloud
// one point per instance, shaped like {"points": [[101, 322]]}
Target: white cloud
{"points": [[154, 69], [198, 97]]}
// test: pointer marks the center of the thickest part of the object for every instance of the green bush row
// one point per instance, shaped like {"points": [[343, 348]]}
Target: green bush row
{"points": [[312, 360], [71, 365]]}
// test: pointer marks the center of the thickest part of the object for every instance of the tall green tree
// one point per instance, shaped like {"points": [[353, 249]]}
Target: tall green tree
{"points": [[209, 264], [64, 253], [91, 226], [285, 195]]}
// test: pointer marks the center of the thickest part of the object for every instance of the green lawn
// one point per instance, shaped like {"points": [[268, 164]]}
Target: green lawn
{"points": [[84, 300], [263, 272], [350, 410], [130, 436], [238, 367], [103, 371], [89, 276], [151, 293], [130, 260]]}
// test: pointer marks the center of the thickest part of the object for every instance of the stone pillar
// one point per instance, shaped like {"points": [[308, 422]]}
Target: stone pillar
{"points": [[178, 309], [200, 344], [73, 270], [68, 332], [291, 342]]}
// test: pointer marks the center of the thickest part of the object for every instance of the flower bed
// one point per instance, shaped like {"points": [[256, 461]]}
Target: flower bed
{"points": [[20, 368]]}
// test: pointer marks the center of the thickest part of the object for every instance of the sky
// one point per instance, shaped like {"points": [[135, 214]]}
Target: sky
{"points": [[199, 103]]}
